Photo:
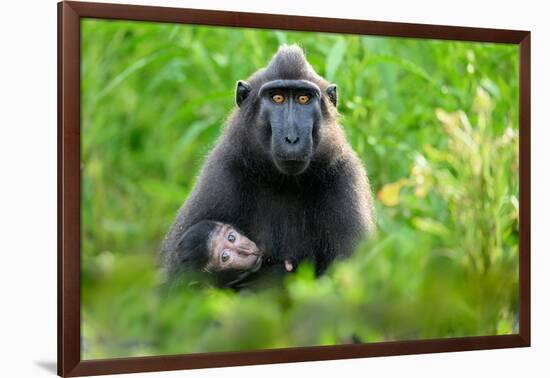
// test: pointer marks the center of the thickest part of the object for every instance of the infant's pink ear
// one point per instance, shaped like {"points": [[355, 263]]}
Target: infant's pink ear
{"points": [[288, 266]]}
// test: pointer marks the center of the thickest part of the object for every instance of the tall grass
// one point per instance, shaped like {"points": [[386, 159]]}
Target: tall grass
{"points": [[435, 123]]}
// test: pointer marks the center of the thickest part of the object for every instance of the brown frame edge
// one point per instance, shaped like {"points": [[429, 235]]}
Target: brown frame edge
{"points": [[288, 355], [69, 15], [68, 206]]}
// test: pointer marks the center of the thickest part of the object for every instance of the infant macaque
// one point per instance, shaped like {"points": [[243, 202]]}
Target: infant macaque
{"points": [[220, 250]]}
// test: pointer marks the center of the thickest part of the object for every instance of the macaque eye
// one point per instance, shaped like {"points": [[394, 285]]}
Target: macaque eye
{"points": [[303, 99], [278, 98], [231, 238], [225, 255]]}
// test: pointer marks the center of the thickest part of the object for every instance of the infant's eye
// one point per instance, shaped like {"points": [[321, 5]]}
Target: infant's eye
{"points": [[231, 238], [278, 98], [225, 255], [303, 99]]}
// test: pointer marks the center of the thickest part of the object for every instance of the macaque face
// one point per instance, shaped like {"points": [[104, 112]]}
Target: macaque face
{"points": [[230, 250]]}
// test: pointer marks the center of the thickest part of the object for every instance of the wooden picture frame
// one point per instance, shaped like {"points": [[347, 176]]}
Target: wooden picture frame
{"points": [[69, 316]]}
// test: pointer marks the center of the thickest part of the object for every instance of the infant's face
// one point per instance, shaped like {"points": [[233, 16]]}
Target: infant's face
{"points": [[230, 250]]}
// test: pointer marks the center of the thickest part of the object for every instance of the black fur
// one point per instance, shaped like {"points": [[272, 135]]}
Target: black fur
{"points": [[317, 215], [193, 246]]}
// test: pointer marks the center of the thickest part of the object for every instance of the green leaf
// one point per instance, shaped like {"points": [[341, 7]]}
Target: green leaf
{"points": [[334, 59], [431, 226]]}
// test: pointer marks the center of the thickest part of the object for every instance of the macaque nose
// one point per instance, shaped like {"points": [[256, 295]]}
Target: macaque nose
{"points": [[249, 250], [292, 139], [255, 252]]}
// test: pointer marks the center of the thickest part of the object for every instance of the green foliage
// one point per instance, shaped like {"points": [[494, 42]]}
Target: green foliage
{"points": [[435, 123]]}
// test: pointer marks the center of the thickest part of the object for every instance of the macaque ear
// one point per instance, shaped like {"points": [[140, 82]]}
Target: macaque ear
{"points": [[243, 90], [332, 94]]}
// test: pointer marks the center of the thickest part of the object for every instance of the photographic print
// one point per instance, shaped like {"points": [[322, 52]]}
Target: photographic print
{"points": [[246, 189]]}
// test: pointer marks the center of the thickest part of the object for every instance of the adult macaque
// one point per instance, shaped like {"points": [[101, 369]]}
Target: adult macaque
{"points": [[282, 172]]}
